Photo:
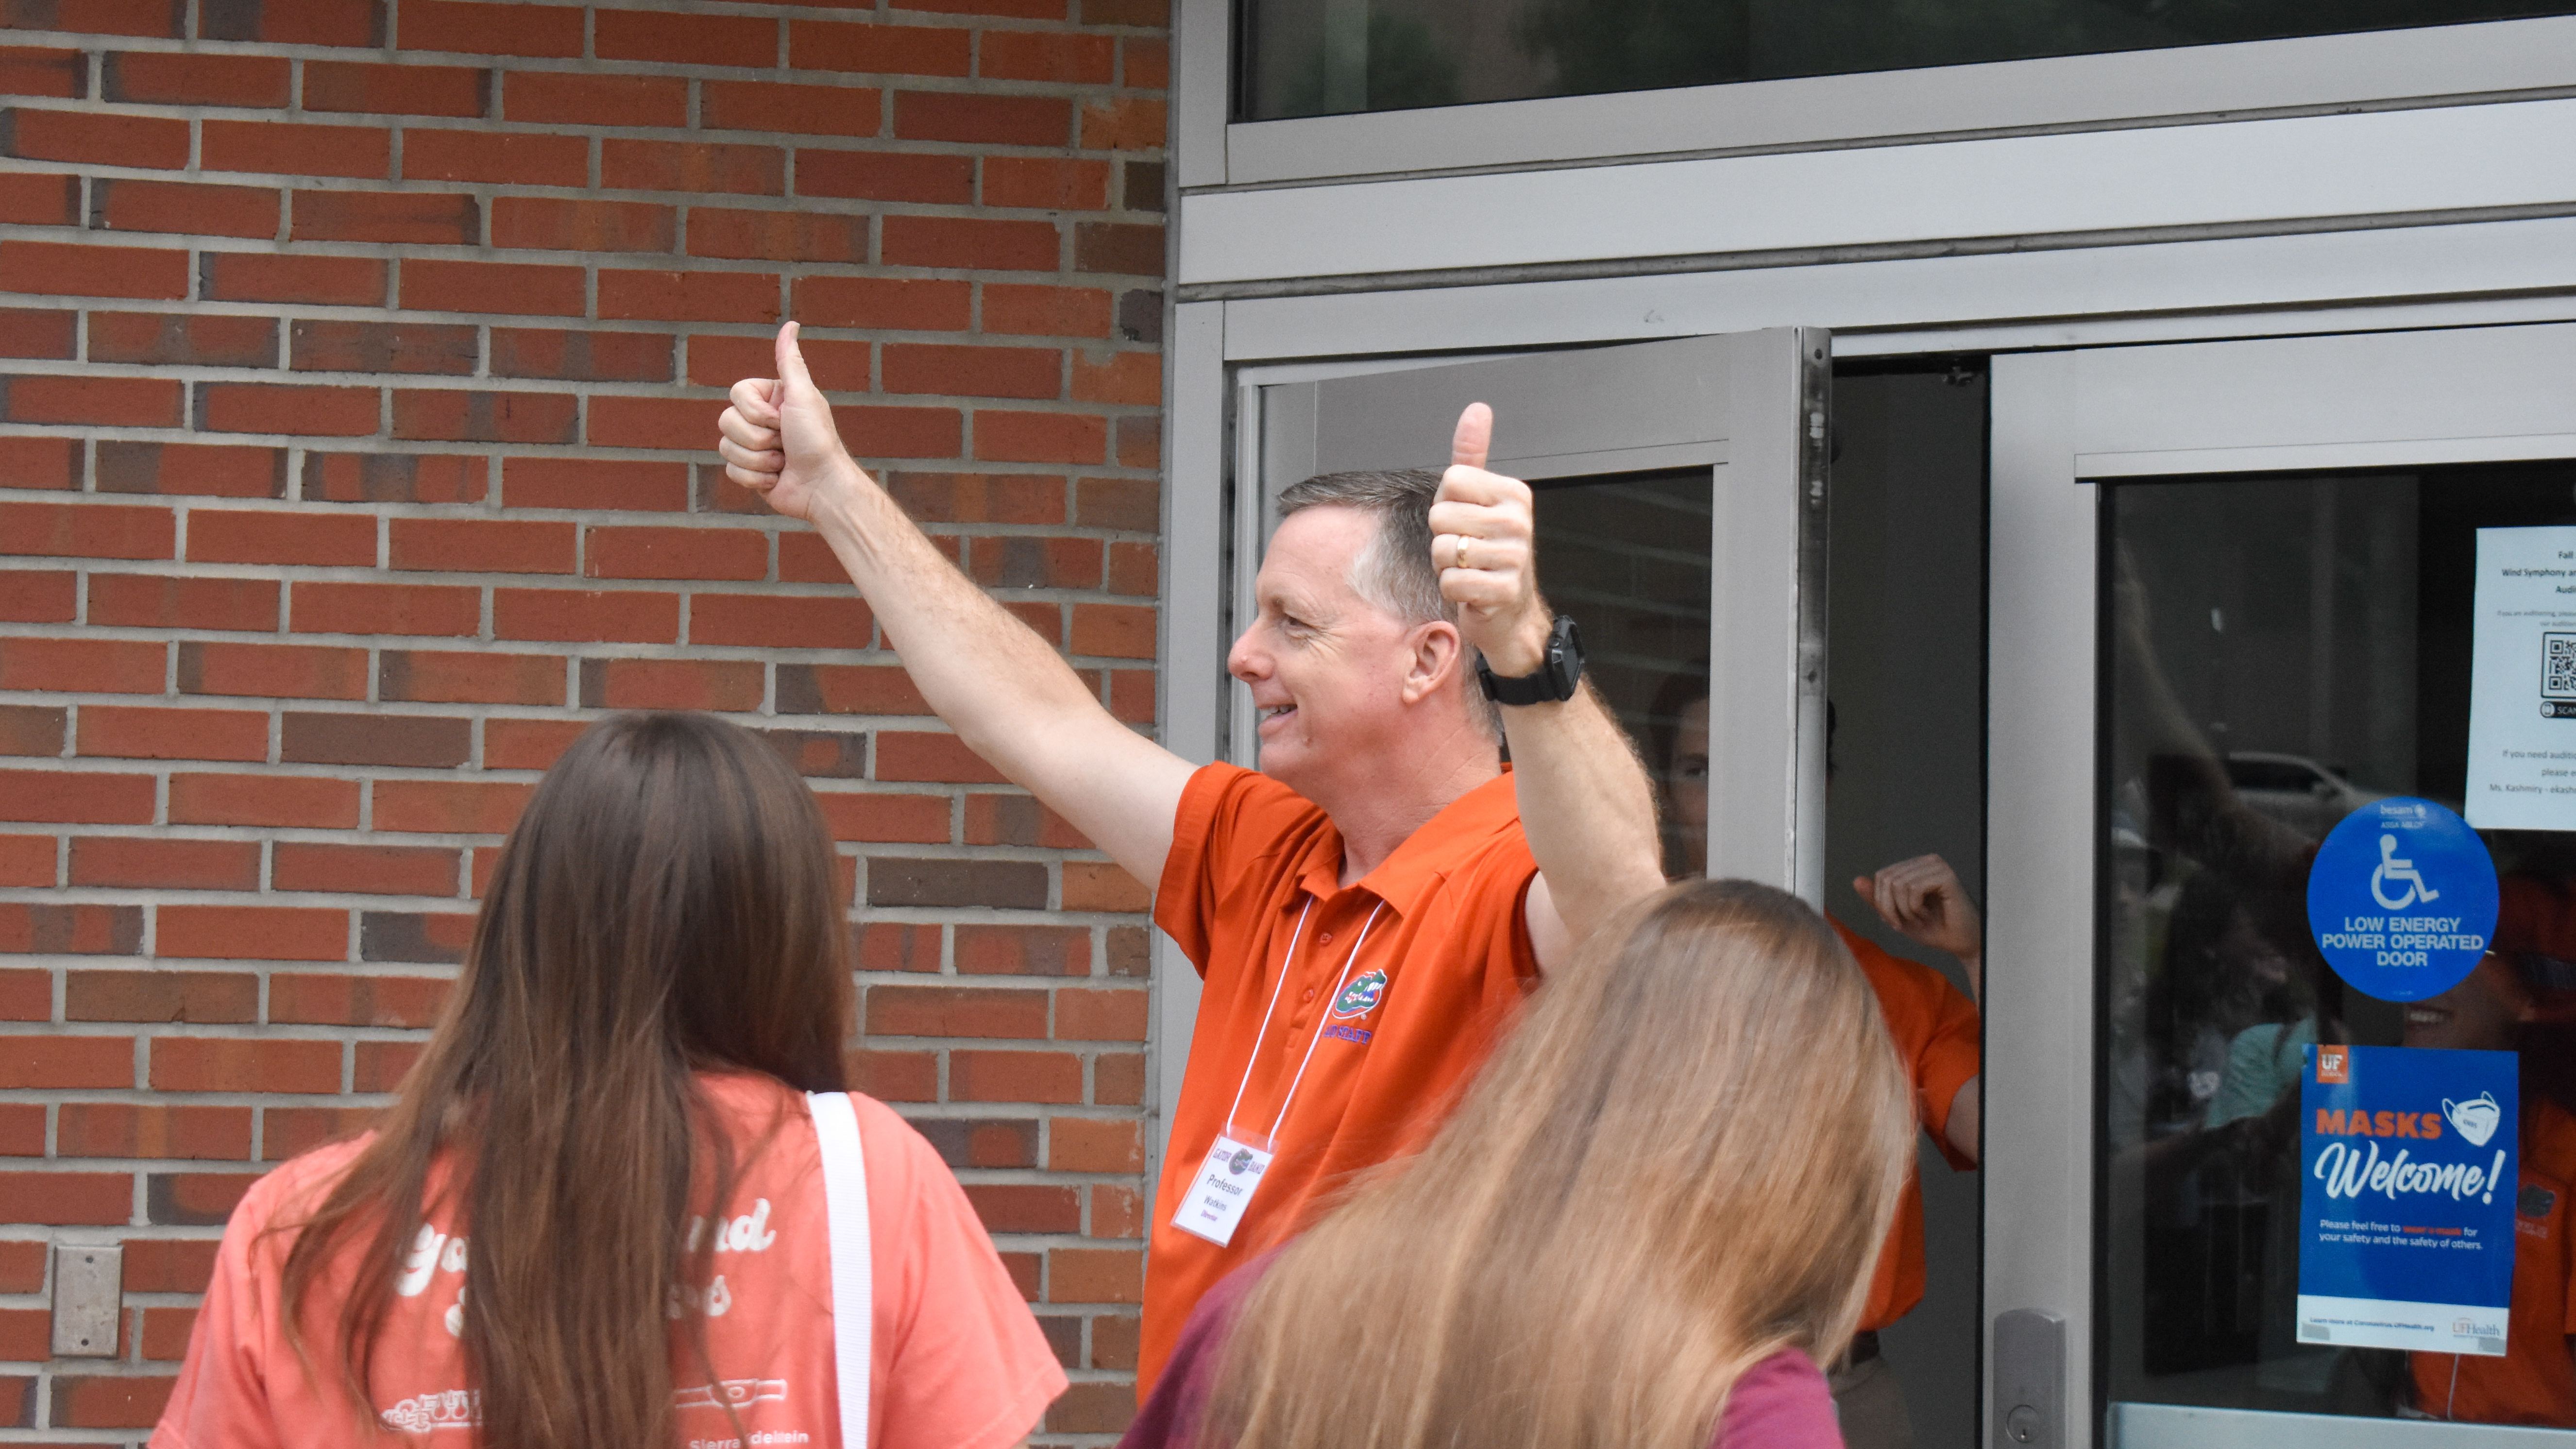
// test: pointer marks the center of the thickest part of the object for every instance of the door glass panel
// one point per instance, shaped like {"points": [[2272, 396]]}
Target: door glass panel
{"points": [[1628, 556], [2282, 651], [1331, 57]]}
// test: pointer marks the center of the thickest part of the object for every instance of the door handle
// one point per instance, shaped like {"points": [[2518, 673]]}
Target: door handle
{"points": [[2029, 1367]]}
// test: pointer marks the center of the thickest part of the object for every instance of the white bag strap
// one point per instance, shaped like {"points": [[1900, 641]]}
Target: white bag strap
{"points": [[845, 1207]]}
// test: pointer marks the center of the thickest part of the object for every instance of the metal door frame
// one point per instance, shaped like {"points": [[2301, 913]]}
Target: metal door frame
{"points": [[2062, 420]]}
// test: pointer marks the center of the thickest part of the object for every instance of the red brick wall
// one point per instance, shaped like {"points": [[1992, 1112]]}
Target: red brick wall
{"points": [[362, 362]]}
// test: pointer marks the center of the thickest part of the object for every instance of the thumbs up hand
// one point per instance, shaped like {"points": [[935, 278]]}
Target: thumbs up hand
{"points": [[778, 439], [1481, 542]]}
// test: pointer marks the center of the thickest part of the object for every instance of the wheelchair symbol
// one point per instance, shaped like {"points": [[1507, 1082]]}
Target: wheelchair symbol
{"points": [[2392, 871]]}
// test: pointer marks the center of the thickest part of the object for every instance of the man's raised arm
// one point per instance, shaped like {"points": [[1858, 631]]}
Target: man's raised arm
{"points": [[1004, 690], [1585, 804]]}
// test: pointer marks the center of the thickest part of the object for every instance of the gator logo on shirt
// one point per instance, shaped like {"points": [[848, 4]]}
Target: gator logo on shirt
{"points": [[1360, 997]]}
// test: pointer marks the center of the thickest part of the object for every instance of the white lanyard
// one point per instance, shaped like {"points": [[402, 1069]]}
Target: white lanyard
{"points": [[1284, 968], [1215, 1202]]}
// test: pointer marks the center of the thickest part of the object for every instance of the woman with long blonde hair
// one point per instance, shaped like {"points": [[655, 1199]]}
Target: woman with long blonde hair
{"points": [[1651, 1217]]}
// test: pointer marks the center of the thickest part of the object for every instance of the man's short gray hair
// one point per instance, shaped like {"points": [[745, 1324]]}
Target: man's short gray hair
{"points": [[1393, 570]]}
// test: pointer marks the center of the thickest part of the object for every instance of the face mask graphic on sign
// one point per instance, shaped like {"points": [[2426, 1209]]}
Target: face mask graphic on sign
{"points": [[2474, 1119]]}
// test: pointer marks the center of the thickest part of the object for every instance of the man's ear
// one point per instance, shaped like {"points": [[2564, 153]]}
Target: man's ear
{"points": [[1434, 653]]}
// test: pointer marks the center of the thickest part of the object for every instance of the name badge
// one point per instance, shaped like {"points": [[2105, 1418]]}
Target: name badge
{"points": [[1223, 1189]]}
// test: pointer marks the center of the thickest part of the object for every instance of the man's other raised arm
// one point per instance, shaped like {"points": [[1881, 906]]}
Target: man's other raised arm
{"points": [[1004, 690], [1584, 800]]}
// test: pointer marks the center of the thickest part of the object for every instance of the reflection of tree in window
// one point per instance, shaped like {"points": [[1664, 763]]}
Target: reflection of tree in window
{"points": [[1621, 45], [1406, 67], [1326, 57]]}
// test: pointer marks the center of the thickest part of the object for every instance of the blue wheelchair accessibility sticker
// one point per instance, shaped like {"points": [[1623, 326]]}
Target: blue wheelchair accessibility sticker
{"points": [[2402, 898]]}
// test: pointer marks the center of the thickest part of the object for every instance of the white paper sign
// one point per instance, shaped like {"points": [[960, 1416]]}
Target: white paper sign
{"points": [[2522, 681], [1222, 1190]]}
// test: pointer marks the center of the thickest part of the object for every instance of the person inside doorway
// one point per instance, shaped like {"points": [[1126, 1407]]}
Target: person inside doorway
{"points": [[2519, 999], [1648, 1224], [1935, 1028], [1368, 910]]}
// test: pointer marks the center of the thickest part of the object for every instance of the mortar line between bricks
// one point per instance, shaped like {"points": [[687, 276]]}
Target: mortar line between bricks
{"points": [[341, 445], [889, 15], [565, 321], [285, 1031], [503, 65], [611, 260], [786, 143], [832, 203], [433, 709], [244, 1097]]}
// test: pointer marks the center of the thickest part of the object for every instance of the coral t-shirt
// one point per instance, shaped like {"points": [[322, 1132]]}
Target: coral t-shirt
{"points": [[957, 1358], [1935, 1027]]}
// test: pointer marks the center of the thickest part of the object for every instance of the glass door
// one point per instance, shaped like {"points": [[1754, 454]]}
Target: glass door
{"points": [[2282, 1038], [1680, 497]]}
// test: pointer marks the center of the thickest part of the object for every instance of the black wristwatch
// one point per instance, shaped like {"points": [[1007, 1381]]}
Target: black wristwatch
{"points": [[1557, 674]]}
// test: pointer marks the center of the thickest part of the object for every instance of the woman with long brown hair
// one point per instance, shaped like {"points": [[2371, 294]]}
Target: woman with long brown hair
{"points": [[1651, 1217], [603, 1211]]}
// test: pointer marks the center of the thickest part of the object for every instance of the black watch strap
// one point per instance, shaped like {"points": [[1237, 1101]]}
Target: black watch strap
{"points": [[1558, 673]]}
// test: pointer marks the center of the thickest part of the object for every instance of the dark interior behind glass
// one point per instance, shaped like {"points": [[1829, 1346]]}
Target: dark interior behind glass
{"points": [[1331, 57], [2280, 650], [1628, 556]]}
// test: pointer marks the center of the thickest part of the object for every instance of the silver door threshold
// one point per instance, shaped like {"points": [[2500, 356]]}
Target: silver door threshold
{"points": [[2182, 1426]]}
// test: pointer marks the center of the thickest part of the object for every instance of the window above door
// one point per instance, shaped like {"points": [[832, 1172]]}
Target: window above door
{"points": [[1295, 58], [1223, 140]]}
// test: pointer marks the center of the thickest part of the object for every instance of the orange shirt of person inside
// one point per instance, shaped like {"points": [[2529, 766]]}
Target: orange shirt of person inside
{"points": [[1349, 1050], [2535, 1381], [1935, 1029], [958, 1363]]}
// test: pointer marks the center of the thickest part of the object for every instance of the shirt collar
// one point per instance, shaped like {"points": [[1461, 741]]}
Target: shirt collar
{"points": [[1427, 855]]}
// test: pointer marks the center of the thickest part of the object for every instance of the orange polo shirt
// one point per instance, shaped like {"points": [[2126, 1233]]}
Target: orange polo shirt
{"points": [[1394, 1031], [1935, 1028]]}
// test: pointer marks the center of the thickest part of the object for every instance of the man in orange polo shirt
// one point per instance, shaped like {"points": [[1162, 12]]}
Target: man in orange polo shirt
{"points": [[1367, 909]]}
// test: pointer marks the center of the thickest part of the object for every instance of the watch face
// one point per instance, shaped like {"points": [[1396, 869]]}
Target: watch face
{"points": [[1565, 657]]}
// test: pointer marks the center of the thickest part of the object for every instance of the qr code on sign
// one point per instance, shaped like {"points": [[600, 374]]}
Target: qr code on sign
{"points": [[2558, 666]]}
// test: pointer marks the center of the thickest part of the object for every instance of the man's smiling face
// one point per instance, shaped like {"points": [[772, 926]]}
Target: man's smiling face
{"points": [[2482, 1013], [1326, 666]]}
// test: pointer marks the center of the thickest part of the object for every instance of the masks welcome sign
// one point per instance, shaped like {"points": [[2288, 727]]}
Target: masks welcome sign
{"points": [[2407, 1162]]}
